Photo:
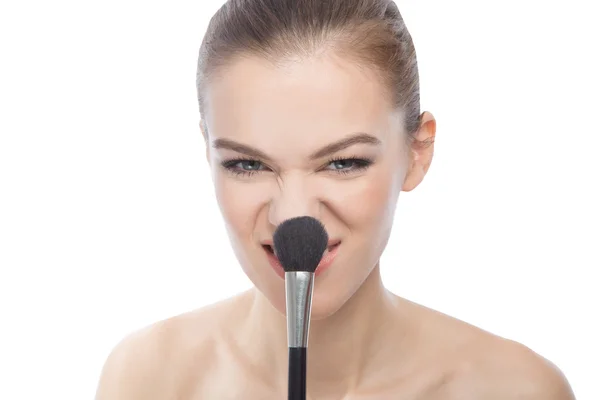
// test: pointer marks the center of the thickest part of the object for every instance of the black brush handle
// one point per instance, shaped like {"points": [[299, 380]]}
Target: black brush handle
{"points": [[297, 373]]}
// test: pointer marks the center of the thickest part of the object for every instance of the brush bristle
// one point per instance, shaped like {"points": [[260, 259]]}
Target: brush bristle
{"points": [[299, 243]]}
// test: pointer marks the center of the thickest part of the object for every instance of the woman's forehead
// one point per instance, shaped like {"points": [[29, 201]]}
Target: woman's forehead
{"points": [[313, 95]]}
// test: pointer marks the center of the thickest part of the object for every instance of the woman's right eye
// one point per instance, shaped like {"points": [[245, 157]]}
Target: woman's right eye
{"points": [[243, 167], [249, 165]]}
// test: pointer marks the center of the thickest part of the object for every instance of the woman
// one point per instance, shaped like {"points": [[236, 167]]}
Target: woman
{"points": [[311, 107]]}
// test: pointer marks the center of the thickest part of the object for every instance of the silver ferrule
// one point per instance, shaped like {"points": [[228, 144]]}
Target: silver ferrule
{"points": [[298, 301]]}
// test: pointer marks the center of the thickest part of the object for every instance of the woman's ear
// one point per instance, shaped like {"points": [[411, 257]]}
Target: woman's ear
{"points": [[421, 152]]}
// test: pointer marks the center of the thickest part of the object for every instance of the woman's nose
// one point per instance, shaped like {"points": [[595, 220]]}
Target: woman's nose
{"points": [[293, 199]]}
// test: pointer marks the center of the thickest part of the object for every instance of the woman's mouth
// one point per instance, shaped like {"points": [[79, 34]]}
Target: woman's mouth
{"points": [[326, 260]]}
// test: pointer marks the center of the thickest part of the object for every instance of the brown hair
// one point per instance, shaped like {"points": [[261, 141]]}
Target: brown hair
{"points": [[370, 32]]}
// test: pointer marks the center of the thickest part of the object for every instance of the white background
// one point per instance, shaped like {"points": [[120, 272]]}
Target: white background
{"points": [[107, 216]]}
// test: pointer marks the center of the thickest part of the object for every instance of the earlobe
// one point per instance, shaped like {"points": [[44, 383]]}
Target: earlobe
{"points": [[421, 151], [413, 177]]}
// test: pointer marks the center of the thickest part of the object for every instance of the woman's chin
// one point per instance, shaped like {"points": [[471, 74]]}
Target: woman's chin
{"points": [[328, 295], [324, 304], [321, 310]]}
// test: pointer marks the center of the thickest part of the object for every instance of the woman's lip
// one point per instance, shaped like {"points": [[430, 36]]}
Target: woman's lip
{"points": [[330, 243], [325, 262], [328, 259]]}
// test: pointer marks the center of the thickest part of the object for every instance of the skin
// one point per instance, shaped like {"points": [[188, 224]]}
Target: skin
{"points": [[365, 342]]}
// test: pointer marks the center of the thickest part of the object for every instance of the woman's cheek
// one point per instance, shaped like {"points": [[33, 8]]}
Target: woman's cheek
{"points": [[239, 201], [364, 201]]}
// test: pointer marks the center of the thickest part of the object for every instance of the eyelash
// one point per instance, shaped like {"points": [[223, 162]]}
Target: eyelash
{"points": [[359, 164]]}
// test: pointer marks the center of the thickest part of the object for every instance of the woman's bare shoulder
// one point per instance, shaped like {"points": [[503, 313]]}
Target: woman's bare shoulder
{"points": [[139, 366], [484, 365], [501, 368]]}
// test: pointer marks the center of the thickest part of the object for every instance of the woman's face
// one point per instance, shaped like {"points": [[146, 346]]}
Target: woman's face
{"points": [[320, 138]]}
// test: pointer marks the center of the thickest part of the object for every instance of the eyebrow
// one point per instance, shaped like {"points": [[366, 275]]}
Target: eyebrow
{"points": [[357, 138], [240, 148]]}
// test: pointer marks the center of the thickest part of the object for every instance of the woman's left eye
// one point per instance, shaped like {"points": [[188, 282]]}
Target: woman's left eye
{"points": [[250, 165], [347, 165], [341, 164]]}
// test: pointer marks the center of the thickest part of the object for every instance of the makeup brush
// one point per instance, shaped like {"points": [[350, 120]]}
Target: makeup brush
{"points": [[299, 244]]}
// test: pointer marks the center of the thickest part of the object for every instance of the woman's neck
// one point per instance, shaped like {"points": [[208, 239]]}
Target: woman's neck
{"points": [[344, 348]]}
